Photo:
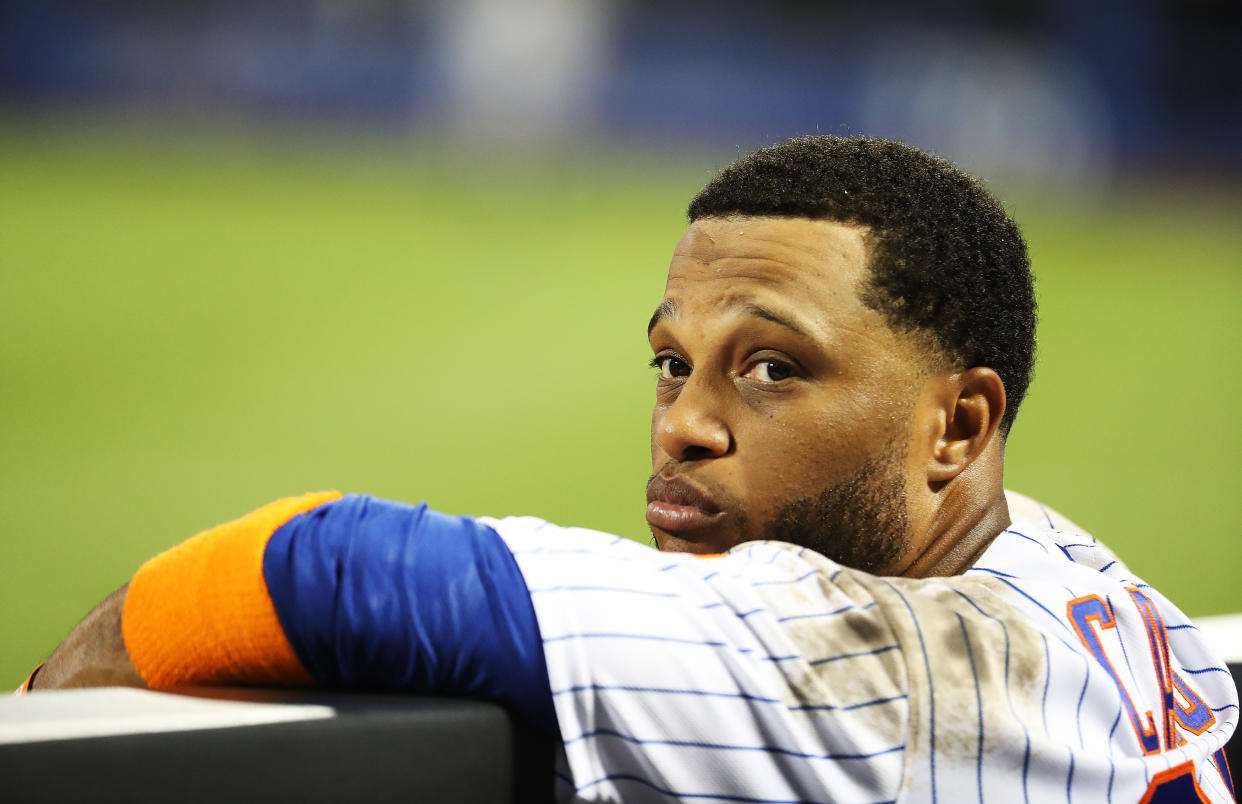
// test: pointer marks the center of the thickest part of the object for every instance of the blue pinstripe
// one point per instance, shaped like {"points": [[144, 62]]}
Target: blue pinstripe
{"points": [[764, 749], [1005, 579], [679, 640], [1047, 516], [1124, 653], [1069, 779], [991, 571], [974, 674], [931, 697], [721, 603], [838, 657], [786, 581], [1112, 766], [746, 696], [841, 610], [1037, 542], [1086, 677], [1026, 733], [847, 707], [1047, 682], [735, 695]]}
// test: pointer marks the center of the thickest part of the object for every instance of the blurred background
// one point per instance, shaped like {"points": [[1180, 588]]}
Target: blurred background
{"points": [[249, 249]]}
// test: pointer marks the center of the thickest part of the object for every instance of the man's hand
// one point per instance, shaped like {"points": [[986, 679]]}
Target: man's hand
{"points": [[93, 655]]}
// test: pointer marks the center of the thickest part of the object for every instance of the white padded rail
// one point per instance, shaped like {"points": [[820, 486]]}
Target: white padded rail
{"points": [[72, 714]]}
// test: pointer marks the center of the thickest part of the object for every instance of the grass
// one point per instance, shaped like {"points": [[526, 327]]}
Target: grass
{"points": [[189, 330]]}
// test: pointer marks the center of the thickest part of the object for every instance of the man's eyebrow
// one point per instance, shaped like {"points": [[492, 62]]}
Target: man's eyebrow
{"points": [[667, 309], [780, 319]]}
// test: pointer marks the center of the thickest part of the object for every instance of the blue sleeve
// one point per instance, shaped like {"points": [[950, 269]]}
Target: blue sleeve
{"points": [[382, 595]]}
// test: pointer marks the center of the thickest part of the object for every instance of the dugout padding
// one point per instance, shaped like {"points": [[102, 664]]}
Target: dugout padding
{"points": [[378, 748]]}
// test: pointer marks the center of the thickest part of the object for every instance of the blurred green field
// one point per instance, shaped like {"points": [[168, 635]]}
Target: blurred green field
{"points": [[188, 331]]}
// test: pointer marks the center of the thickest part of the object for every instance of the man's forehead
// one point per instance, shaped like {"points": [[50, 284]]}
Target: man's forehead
{"points": [[805, 241], [804, 275], [813, 265]]}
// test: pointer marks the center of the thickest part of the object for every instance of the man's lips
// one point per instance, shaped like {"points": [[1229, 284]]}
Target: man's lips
{"points": [[676, 506]]}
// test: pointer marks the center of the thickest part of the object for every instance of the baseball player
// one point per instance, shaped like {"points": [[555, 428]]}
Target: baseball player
{"points": [[843, 606]]}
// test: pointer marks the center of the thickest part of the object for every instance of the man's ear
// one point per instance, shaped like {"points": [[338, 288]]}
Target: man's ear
{"points": [[973, 404]]}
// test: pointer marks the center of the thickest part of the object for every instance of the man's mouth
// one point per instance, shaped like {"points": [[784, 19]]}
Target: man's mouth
{"points": [[676, 506]]}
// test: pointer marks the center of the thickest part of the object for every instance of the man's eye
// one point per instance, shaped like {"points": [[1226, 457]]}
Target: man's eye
{"points": [[770, 371], [671, 367]]}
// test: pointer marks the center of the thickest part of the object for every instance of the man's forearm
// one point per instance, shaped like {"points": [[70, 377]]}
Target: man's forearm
{"points": [[350, 592], [93, 655]]}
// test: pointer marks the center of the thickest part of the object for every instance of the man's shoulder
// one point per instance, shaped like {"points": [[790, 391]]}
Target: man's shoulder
{"points": [[1042, 561]]}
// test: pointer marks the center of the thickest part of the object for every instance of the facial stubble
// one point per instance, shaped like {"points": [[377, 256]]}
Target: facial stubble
{"points": [[861, 523]]}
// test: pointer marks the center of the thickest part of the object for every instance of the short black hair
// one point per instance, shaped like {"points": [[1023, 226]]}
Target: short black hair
{"points": [[946, 260]]}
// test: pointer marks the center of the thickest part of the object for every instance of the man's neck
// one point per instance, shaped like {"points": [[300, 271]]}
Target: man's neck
{"points": [[967, 514]]}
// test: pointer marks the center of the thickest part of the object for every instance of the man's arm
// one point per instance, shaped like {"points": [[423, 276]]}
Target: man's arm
{"points": [[93, 655], [197, 614], [351, 592]]}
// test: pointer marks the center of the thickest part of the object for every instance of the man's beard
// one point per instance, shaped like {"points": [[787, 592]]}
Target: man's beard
{"points": [[861, 523]]}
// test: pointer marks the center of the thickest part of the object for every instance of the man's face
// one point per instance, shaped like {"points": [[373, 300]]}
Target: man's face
{"points": [[783, 405]]}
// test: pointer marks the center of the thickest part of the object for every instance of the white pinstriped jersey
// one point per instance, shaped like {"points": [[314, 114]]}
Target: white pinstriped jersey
{"points": [[772, 674]]}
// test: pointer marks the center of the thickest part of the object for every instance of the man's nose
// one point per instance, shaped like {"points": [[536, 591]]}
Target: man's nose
{"points": [[693, 426]]}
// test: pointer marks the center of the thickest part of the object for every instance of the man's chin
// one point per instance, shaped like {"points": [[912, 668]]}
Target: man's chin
{"points": [[699, 543]]}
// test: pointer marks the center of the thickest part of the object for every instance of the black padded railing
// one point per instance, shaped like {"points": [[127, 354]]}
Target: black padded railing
{"points": [[378, 748]]}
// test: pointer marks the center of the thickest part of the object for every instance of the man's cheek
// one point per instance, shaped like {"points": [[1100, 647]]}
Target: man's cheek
{"points": [[657, 417]]}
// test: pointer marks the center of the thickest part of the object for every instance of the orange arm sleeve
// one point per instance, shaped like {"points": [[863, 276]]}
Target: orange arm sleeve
{"points": [[200, 613]]}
